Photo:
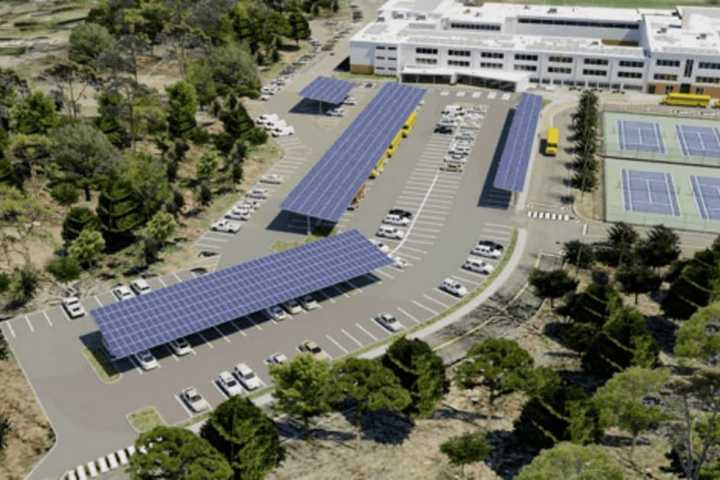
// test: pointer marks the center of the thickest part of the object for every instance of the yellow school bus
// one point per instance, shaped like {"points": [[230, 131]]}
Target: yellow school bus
{"points": [[395, 143], [409, 124], [687, 100], [551, 145], [379, 167]]}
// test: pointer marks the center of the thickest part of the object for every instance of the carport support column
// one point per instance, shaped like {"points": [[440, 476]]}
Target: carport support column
{"points": [[309, 226]]}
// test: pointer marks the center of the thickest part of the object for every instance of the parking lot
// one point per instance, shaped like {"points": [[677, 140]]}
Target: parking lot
{"points": [[449, 217]]}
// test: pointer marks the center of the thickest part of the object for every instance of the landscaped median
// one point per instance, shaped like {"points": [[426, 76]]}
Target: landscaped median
{"points": [[101, 365], [465, 300], [145, 419]]}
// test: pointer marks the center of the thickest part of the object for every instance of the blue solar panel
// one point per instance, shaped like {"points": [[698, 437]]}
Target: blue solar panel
{"points": [[327, 190], [188, 307], [326, 89], [515, 157]]}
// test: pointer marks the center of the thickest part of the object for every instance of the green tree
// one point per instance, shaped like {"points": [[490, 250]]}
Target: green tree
{"points": [[207, 166], [156, 233], [579, 254], [112, 115], [636, 278], [87, 247], [370, 386], [88, 42], [20, 214], [693, 286], [6, 427], [147, 177], [551, 284], [498, 364], [698, 338], [303, 388], [572, 462], [178, 454], [226, 69], [64, 269], [594, 305], [584, 180], [245, 436], [65, 193], [182, 106], [120, 212], [621, 242], [660, 248], [36, 114], [623, 401], [77, 220], [420, 371], [466, 449], [23, 285], [299, 27]]}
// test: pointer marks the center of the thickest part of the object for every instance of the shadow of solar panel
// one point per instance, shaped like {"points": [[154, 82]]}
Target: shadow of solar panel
{"points": [[326, 89], [215, 298], [517, 150], [329, 187]]}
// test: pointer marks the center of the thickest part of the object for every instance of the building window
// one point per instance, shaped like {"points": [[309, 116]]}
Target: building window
{"points": [[474, 26], [629, 75], [709, 65], [392, 58], [707, 79], [527, 58], [526, 68], [379, 58], [631, 64], [668, 63], [491, 65], [379, 48], [563, 70], [459, 53], [579, 23], [392, 69], [392, 48], [666, 77], [595, 73], [458, 63], [426, 61], [426, 51], [556, 59], [595, 61], [492, 55]]}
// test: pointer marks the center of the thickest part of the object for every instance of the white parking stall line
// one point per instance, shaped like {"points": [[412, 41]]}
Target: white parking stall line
{"points": [[433, 217], [428, 309], [406, 203], [497, 231], [407, 314], [424, 185], [217, 330], [439, 201], [425, 229], [256, 325], [44, 312], [413, 249], [420, 242], [327, 297], [162, 282], [217, 387], [476, 95], [414, 196], [495, 237], [460, 94], [237, 327], [407, 255], [65, 314], [335, 342], [10, 328], [424, 235], [177, 277], [385, 274], [439, 204], [347, 334], [136, 365], [213, 239], [446, 294], [444, 305], [184, 407], [205, 340], [462, 278], [29, 324], [499, 225], [340, 291], [423, 176], [171, 352], [434, 224], [366, 332]]}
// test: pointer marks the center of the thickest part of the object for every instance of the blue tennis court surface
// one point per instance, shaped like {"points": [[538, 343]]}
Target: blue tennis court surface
{"points": [[640, 136], [707, 196], [649, 192], [700, 141]]}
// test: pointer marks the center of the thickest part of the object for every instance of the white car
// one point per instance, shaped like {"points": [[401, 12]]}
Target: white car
{"points": [[272, 178], [265, 97], [247, 204], [276, 358], [461, 150], [392, 219], [146, 360], [194, 400], [238, 214], [226, 226], [258, 193], [453, 287], [282, 131], [180, 346], [276, 313], [267, 90], [308, 302], [390, 232], [140, 286], [349, 101], [478, 266], [389, 321], [229, 384], [122, 292], [487, 249], [267, 118], [335, 112], [381, 246], [247, 377], [292, 307], [399, 263], [73, 307]]}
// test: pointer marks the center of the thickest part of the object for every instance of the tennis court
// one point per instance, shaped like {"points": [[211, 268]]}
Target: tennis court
{"points": [[651, 192], [640, 136], [699, 140], [707, 196]]}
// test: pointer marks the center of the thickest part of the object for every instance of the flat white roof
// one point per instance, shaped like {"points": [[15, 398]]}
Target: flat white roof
{"points": [[476, 72]]}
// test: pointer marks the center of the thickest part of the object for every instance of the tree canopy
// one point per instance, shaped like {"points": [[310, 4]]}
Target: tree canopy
{"points": [[568, 461]]}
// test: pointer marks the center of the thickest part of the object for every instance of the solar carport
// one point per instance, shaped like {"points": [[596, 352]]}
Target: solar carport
{"points": [[204, 302], [326, 90], [329, 187], [518, 146]]}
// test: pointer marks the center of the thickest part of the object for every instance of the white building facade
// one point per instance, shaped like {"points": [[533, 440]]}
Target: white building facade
{"points": [[511, 46]]}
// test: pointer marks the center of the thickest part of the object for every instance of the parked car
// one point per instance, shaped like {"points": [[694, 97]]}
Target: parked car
{"points": [[349, 101], [272, 178], [292, 307], [238, 214], [122, 292], [194, 400], [146, 360], [276, 358], [391, 219], [454, 167], [248, 204], [390, 232], [140, 286], [335, 112], [267, 118], [276, 313], [381, 246], [229, 384], [444, 129], [487, 249], [73, 307], [308, 346], [308, 302], [453, 287], [247, 377], [401, 213], [282, 131], [478, 266], [181, 346], [389, 321], [258, 193], [399, 263], [226, 226], [265, 97]]}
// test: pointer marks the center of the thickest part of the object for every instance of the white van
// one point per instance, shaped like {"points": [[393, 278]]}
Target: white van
{"points": [[478, 266], [387, 231]]}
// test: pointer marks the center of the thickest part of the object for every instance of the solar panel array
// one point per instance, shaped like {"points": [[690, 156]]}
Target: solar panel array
{"points": [[188, 307], [515, 158], [326, 89], [329, 187]]}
